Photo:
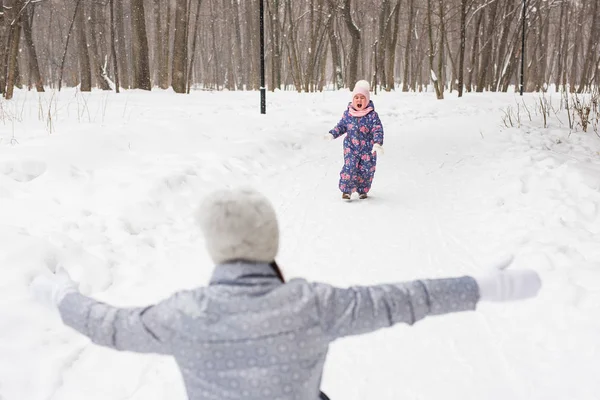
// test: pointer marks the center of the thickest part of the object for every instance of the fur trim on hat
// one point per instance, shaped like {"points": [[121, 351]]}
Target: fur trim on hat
{"points": [[239, 224]]}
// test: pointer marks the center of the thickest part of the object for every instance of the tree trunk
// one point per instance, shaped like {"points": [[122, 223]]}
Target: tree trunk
{"points": [[380, 44], [141, 61], [390, 52], [3, 46], [33, 59], [164, 73], [474, 52], [407, 50], [69, 33], [315, 39], [576, 46], [113, 47], [461, 52], [354, 55], [543, 58], [486, 50], [121, 45], [178, 80], [97, 44], [503, 56], [560, 42], [13, 49], [195, 38], [158, 58], [85, 71], [592, 49], [252, 46], [442, 39], [226, 38], [237, 48], [436, 80], [336, 62], [292, 50]]}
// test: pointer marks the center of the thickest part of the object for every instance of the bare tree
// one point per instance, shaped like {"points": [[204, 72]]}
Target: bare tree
{"points": [[442, 40], [310, 44], [317, 32], [193, 52], [97, 43], [237, 47], [4, 29], [14, 35], [85, 72], [121, 41], [463, 39], [113, 47], [34, 68], [227, 36], [505, 54], [393, 27], [408, 44], [561, 42], [353, 55], [141, 60], [380, 44], [336, 62], [575, 66], [180, 47], [474, 51], [292, 47], [486, 49], [436, 81], [215, 52], [276, 31], [593, 48], [251, 45]]}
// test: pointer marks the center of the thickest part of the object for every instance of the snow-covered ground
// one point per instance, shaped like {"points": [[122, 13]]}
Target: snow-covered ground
{"points": [[106, 184]]}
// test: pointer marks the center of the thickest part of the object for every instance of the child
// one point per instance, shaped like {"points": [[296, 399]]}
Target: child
{"points": [[249, 334], [363, 141]]}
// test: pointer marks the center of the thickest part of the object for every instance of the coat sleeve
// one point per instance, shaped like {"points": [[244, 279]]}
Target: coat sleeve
{"points": [[341, 127], [362, 309], [141, 330], [377, 129]]}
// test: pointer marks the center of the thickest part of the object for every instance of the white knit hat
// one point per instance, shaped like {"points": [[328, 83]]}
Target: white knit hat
{"points": [[239, 224], [363, 88]]}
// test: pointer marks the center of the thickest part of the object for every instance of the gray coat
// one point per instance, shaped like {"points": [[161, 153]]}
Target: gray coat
{"points": [[249, 336]]}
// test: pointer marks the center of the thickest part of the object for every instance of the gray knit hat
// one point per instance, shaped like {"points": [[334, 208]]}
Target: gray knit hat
{"points": [[239, 224]]}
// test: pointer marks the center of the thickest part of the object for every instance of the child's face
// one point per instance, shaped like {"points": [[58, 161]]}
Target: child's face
{"points": [[359, 102]]}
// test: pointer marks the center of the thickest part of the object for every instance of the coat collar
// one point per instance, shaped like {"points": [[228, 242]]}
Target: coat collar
{"points": [[243, 272]]}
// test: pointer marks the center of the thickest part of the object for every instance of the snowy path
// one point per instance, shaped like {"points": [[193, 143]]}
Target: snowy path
{"points": [[441, 205], [113, 199]]}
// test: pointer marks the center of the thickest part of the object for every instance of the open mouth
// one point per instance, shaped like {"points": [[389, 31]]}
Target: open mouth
{"points": [[359, 105]]}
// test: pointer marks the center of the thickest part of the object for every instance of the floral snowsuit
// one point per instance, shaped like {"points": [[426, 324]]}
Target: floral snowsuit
{"points": [[359, 161]]}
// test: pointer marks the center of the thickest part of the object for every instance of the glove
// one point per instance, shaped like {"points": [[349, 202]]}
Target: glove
{"points": [[328, 136], [501, 284], [51, 289], [377, 148]]}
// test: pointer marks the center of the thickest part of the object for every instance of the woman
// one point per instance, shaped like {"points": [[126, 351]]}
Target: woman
{"points": [[249, 334]]}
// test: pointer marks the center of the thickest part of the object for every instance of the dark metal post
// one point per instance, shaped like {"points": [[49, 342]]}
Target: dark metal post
{"points": [[523, 48], [263, 93]]}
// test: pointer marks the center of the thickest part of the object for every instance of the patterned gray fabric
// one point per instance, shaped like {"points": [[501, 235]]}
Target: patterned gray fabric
{"points": [[249, 336]]}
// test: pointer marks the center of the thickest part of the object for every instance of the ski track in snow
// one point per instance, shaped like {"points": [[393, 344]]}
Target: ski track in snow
{"points": [[452, 191]]}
